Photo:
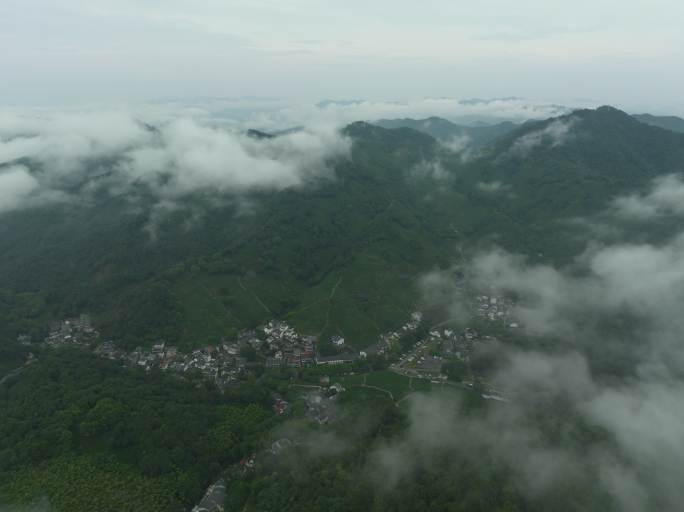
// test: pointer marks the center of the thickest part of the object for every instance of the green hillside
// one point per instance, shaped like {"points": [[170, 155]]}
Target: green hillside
{"points": [[672, 123], [445, 130], [338, 257]]}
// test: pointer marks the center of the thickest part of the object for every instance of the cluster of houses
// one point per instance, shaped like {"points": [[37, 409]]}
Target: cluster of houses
{"points": [[412, 325], [454, 344], [275, 344], [285, 347], [288, 349], [495, 309], [389, 339], [278, 344], [418, 362], [73, 331], [427, 356], [221, 363]]}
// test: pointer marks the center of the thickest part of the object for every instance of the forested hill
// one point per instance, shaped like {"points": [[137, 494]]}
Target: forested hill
{"points": [[673, 123], [445, 130], [575, 164], [339, 255]]}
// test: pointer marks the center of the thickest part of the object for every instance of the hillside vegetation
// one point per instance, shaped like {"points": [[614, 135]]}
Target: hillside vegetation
{"points": [[340, 256]]}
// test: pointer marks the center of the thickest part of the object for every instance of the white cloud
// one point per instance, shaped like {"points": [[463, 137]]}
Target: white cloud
{"points": [[175, 159], [642, 279], [192, 157], [492, 187], [461, 146], [458, 144], [642, 285], [16, 187], [62, 142], [18, 147], [201, 145], [430, 169], [666, 197], [344, 112], [555, 134]]}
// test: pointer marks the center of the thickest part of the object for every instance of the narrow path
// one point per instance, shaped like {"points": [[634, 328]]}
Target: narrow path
{"points": [[304, 308], [212, 294], [334, 289], [368, 386], [11, 374], [256, 297], [306, 386], [330, 298], [378, 389]]}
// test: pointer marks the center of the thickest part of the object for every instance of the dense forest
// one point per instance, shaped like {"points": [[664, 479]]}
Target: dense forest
{"points": [[90, 435], [83, 433]]}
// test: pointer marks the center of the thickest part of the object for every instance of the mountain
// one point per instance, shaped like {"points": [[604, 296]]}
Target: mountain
{"points": [[355, 234], [446, 131], [672, 123], [340, 256], [601, 153]]}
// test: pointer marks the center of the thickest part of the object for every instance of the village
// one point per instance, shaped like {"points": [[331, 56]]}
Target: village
{"points": [[496, 309], [426, 358], [275, 344], [278, 345]]}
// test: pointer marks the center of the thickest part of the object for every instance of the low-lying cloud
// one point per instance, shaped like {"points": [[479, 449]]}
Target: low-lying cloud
{"points": [[461, 146], [616, 368], [340, 113], [492, 187], [16, 187], [430, 169], [187, 157], [44, 157], [555, 133], [644, 282], [203, 147], [666, 197]]}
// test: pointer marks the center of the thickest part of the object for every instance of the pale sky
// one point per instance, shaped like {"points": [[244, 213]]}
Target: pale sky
{"points": [[626, 53]]}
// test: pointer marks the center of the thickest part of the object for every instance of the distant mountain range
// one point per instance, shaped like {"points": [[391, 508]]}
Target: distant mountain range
{"points": [[672, 123], [481, 134], [444, 130]]}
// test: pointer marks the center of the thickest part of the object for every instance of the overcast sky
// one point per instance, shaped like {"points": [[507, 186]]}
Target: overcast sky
{"points": [[626, 53]]}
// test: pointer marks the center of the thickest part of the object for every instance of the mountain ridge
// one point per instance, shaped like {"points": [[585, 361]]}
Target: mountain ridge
{"points": [[445, 130], [672, 123], [398, 206]]}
